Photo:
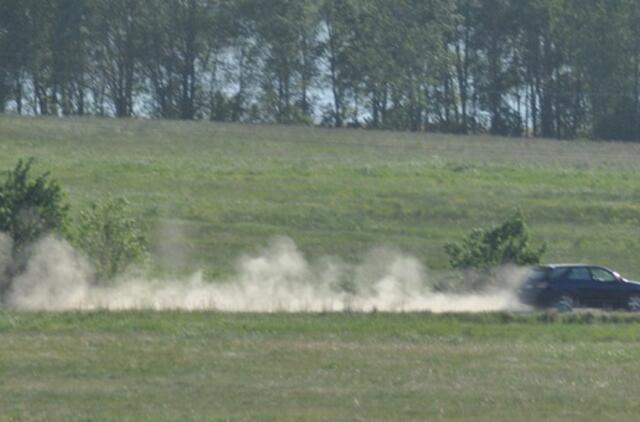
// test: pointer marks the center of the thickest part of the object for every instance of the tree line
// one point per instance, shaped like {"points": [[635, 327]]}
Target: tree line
{"points": [[550, 68]]}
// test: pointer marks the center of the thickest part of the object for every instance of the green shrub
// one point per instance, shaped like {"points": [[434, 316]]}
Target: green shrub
{"points": [[30, 208], [486, 248], [110, 237]]}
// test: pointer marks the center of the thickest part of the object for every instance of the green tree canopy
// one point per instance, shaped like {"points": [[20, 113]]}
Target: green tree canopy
{"points": [[486, 248]]}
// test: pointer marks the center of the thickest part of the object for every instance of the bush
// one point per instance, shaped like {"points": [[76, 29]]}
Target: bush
{"points": [[30, 208], [110, 238], [495, 246]]}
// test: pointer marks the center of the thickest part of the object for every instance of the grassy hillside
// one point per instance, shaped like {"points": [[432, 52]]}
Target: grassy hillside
{"points": [[214, 191], [178, 366]]}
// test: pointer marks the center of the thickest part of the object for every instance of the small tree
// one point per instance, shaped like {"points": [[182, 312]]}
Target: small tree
{"points": [[30, 207], [110, 237], [484, 249]]}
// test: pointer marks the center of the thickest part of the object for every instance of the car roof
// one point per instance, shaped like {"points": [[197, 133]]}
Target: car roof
{"points": [[567, 265], [555, 266]]}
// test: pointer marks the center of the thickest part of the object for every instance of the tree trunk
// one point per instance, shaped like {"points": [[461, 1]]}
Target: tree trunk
{"points": [[461, 69], [546, 112]]}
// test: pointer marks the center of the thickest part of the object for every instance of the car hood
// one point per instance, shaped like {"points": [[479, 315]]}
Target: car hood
{"points": [[633, 283]]}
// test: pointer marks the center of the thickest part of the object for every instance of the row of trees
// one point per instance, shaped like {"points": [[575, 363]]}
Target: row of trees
{"points": [[552, 68]]}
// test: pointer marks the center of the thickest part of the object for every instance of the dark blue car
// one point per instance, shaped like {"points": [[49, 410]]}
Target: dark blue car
{"points": [[567, 286]]}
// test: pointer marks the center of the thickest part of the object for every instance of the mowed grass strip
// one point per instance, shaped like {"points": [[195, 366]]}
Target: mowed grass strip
{"points": [[208, 366], [212, 192]]}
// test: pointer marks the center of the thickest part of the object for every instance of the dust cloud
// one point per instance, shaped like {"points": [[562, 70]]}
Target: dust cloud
{"points": [[278, 278]]}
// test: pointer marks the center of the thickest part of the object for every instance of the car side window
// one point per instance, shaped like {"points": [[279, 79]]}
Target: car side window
{"points": [[579, 274], [604, 276], [558, 274]]}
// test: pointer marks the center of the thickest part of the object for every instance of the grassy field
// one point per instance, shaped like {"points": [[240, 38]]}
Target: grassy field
{"points": [[203, 366], [212, 192]]}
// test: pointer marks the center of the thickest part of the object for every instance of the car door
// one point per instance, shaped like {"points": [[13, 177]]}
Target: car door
{"points": [[606, 287], [580, 284]]}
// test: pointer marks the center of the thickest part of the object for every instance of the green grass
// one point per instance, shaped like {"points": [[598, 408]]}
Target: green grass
{"points": [[212, 192], [215, 191], [204, 366]]}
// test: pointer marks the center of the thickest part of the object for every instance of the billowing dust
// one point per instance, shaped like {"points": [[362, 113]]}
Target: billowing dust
{"points": [[277, 279]]}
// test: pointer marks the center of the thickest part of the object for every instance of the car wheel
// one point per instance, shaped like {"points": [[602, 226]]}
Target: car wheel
{"points": [[564, 303], [633, 304]]}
